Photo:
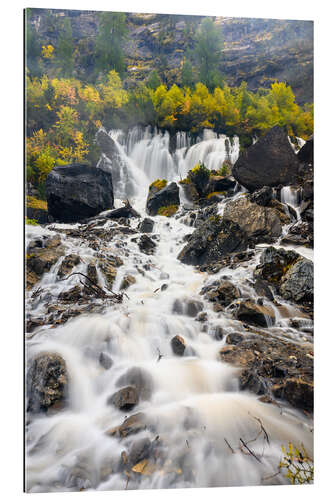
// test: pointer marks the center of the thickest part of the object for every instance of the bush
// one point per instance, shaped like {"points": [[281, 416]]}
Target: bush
{"points": [[199, 175], [298, 464]]}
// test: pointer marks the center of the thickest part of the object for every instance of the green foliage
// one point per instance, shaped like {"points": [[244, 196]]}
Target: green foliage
{"points": [[168, 211], [224, 170], [298, 465], [208, 52], [31, 222], [154, 80], [65, 49], [187, 75], [111, 33], [199, 175]]}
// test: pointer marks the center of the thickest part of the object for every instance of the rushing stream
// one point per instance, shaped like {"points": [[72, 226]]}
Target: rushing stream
{"points": [[197, 411]]}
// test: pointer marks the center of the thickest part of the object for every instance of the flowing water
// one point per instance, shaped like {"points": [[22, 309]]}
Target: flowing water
{"points": [[197, 412]]}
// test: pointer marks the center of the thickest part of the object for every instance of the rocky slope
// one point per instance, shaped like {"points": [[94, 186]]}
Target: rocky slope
{"points": [[255, 50]]}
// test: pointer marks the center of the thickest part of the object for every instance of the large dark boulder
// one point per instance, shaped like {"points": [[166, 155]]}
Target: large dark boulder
{"points": [[47, 383], [212, 241], [305, 154], [271, 161], [163, 198], [75, 192], [297, 283]]}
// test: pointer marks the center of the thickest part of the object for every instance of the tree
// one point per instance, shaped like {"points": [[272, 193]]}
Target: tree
{"points": [[65, 49], [187, 76], [208, 52], [33, 47], [154, 80], [111, 33]]}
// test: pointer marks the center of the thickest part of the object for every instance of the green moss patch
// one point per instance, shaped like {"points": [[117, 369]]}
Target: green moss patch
{"points": [[168, 211], [35, 203], [159, 184]]}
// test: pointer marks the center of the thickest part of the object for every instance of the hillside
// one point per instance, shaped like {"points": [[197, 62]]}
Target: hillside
{"points": [[255, 50]]}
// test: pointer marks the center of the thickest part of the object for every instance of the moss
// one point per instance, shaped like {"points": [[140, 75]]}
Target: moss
{"points": [[35, 203], [167, 211], [185, 181], [215, 193], [159, 184], [31, 222]]}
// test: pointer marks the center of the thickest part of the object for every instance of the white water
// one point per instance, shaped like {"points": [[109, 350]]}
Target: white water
{"points": [[69, 450]]}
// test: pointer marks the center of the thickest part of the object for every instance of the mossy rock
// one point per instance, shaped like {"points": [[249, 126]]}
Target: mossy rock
{"points": [[167, 211], [215, 193], [158, 184]]}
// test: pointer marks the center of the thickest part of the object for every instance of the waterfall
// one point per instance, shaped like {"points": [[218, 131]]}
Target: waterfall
{"points": [[145, 155], [196, 407]]}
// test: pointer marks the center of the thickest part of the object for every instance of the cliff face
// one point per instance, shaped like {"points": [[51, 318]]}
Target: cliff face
{"points": [[258, 51]]}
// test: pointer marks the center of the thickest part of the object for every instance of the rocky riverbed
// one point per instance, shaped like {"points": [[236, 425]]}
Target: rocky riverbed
{"points": [[160, 339]]}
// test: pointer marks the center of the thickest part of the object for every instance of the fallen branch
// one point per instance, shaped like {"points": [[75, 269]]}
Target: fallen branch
{"points": [[97, 290], [248, 449], [230, 447]]}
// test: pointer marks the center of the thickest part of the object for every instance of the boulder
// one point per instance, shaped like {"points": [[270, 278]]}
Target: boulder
{"points": [[178, 345], [234, 338], [219, 183], [305, 154], [274, 262], [127, 211], [260, 223], [131, 425], [47, 383], [162, 198], [275, 367], [127, 281], [146, 245], [224, 292], [125, 399], [138, 378], [105, 360], [212, 241], [297, 282], [255, 314], [271, 161], [146, 226], [139, 450], [75, 192], [262, 196], [188, 307], [67, 264], [40, 259]]}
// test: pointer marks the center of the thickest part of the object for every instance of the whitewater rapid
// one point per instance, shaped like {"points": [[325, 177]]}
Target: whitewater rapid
{"points": [[69, 450]]}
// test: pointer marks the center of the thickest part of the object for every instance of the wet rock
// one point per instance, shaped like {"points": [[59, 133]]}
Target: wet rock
{"points": [[178, 345], [67, 264], [125, 399], [165, 197], [47, 383], [39, 261], [263, 196], [297, 392], [146, 245], [262, 289], [218, 332], [74, 294], [187, 307], [260, 223], [139, 450], [190, 191], [255, 314], [132, 425], [212, 241], [140, 379], [109, 271], [274, 262], [274, 367], [127, 281], [223, 293], [105, 360], [127, 211], [308, 190], [271, 161], [146, 226], [305, 154], [75, 192], [202, 317], [221, 184], [297, 282], [234, 338]]}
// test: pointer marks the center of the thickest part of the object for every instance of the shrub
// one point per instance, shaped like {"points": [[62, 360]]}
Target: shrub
{"points": [[31, 222], [159, 184], [199, 175], [298, 464]]}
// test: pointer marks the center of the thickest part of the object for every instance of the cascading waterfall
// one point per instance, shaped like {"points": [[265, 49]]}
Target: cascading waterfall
{"points": [[196, 408]]}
